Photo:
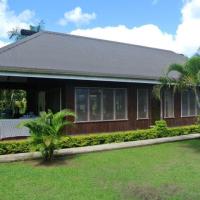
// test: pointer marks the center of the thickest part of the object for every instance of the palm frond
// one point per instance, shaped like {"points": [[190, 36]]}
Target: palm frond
{"points": [[176, 68]]}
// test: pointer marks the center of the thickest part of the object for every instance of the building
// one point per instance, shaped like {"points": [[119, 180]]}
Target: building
{"points": [[107, 84]]}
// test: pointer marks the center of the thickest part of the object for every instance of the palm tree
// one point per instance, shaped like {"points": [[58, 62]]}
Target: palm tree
{"points": [[16, 32], [47, 130], [188, 77]]}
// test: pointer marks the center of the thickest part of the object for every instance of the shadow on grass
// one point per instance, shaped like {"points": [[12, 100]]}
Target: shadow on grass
{"points": [[148, 192], [56, 162], [193, 144]]}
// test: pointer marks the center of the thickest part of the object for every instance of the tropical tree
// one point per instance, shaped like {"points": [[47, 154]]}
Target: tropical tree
{"points": [[47, 130], [16, 32], [10, 99], [187, 76]]}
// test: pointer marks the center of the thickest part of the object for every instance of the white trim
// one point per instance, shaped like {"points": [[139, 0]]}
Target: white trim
{"points": [[105, 120], [78, 77], [161, 105], [60, 98], [147, 96], [164, 108], [114, 106]]}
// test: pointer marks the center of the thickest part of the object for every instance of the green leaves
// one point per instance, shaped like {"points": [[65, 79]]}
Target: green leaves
{"points": [[46, 130], [187, 77]]}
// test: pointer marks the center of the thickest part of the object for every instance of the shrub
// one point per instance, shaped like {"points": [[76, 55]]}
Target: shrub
{"points": [[161, 128], [46, 131], [22, 146]]}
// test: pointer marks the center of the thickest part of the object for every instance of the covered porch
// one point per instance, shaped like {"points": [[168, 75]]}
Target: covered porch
{"points": [[37, 94]]}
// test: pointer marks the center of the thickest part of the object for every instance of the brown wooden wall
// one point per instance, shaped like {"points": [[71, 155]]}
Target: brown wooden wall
{"points": [[68, 91], [132, 122], [178, 120]]}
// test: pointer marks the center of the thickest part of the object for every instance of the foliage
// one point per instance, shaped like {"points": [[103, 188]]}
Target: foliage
{"points": [[16, 32], [46, 131], [188, 77], [12, 99], [7, 147], [161, 128]]}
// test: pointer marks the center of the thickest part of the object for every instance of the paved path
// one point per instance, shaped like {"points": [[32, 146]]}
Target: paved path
{"points": [[95, 148]]}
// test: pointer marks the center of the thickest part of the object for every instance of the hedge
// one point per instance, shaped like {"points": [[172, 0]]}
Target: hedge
{"points": [[22, 146]]}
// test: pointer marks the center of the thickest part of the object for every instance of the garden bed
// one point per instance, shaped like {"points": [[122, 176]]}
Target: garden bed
{"points": [[23, 146]]}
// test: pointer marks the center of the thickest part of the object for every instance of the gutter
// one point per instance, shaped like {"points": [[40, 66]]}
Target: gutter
{"points": [[79, 77]]}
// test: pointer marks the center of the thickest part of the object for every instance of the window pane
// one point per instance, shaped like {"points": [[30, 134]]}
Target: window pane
{"points": [[185, 103], [82, 104], [168, 103], [95, 104], [192, 105], [108, 111], [120, 103], [142, 103]]}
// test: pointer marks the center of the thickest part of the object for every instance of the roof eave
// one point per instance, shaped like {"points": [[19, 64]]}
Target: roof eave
{"points": [[79, 77]]}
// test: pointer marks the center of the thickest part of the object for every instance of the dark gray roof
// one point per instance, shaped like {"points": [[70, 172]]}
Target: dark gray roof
{"points": [[57, 53]]}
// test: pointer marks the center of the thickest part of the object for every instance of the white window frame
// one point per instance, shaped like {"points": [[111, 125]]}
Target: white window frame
{"points": [[164, 108], [138, 118], [114, 111], [188, 115]]}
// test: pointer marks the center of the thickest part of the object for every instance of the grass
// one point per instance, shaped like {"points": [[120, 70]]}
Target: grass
{"points": [[166, 171]]}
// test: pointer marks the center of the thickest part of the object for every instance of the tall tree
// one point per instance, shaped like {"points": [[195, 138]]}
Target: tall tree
{"points": [[188, 77]]}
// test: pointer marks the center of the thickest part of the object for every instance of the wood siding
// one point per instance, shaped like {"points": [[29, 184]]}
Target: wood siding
{"points": [[132, 122], [33, 85]]}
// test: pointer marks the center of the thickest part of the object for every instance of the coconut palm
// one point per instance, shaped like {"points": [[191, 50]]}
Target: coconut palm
{"points": [[47, 130], [16, 32], [188, 77]]}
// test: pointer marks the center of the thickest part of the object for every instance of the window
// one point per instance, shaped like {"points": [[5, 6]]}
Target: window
{"points": [[120, 104], [96, 104], [142, 104], [188, 104], [82, 104], [108, 102], [168, 103]]}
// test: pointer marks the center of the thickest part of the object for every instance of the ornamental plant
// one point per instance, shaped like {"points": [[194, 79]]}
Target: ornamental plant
{"points": [[46, 131]]}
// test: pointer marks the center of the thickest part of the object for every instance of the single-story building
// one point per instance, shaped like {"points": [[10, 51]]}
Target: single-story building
{"points": [[107, 84]]}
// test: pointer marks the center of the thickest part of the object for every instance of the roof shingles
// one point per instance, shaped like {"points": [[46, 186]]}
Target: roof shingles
{"points": [[57, 53]]}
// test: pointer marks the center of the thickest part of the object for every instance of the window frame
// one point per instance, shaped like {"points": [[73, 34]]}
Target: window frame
{"points": [[146, 118], [164, 108], [188, 111], [114, 107]]}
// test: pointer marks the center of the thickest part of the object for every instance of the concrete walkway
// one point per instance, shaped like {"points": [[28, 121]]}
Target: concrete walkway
{"points": [[103, 147]]}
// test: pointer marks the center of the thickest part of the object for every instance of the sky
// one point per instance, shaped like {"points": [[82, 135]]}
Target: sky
{"points": [[172, 24]]}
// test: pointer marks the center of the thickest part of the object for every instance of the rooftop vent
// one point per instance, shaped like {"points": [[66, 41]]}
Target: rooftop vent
{"points": [[25, 32]]}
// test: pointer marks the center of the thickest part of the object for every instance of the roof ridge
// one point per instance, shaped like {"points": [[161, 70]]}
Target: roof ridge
{"points": [[19, 42], [110, 41]]}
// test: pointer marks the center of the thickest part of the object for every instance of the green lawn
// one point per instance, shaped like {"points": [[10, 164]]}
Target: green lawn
{"points": [[166, 171]]}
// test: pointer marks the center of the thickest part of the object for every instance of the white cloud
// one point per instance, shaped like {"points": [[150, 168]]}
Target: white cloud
{"points": [[147, 35], [77, 17], [2, 43], [9, 20], [186, 40]]}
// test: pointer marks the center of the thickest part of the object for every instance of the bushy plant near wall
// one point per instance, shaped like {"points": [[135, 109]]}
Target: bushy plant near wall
{"points": [[159, 130]]}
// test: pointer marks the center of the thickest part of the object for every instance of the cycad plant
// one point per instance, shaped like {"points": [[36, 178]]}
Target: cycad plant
{"points": [[188, 77], [47, 130]]}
